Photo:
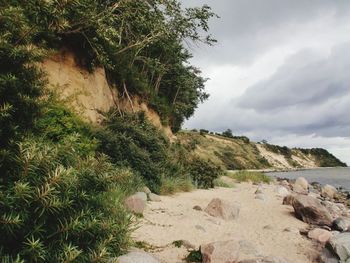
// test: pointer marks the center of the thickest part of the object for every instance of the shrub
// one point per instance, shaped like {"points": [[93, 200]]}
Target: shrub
{"points": [[56, 209], [245, 176], [204, 172], [172, 185]]}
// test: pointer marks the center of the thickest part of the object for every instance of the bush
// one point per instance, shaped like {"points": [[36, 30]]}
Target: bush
{"points": [[172, 185], [63, 210], [204, 172], [245, 176]]}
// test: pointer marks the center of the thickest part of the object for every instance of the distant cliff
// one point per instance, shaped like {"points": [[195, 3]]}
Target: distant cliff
{"points": [[241, 153]]}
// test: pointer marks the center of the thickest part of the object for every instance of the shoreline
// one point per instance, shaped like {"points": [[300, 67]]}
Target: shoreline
{"points": [[282, 170]]}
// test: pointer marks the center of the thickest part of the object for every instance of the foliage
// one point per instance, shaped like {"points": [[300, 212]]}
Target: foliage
{"points": [[245, 176], [219, 182], [204, 172], [194, 256], [59, 207], [227, 133], [323, 157], [130, 139], [172, 185], [203, 131]]}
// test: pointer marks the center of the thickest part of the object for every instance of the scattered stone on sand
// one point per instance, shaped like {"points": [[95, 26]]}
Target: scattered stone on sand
{"points": [[298, 189], [142, 195], [135, 204], [220, 252], [320, 235], [285, 183], [266, 260], [261, 197], [282, 191], [333, 209], [341, 246], [197, 207], [288, 200], [328, 257], [223, 209], [302, 182], [328, 191], [136, 257], [146, 190], [311, 211], [341, 224], [268, 227], [154, 197]]}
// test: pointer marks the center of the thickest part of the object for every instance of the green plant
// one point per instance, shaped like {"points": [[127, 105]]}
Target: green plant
{"points": [[194, 256], [219, 182], [245, 176], [172, 185], [204, 172], [59, 209]]}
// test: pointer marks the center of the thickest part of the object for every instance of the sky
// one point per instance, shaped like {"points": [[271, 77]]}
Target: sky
{"points": [[280, 72]]}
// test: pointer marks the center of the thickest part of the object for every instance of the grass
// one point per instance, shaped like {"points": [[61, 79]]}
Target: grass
{"points": [[219, 182], [172, 185], [245, 176]]}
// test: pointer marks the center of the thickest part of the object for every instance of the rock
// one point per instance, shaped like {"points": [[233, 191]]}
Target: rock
{"points": [[341, 224], [200, 228], [320, 235], [282, 191], [341, 246], [223, 209], [299, 190], [327, 257], [266, 260], [135, 204], [302, 182], [136, 257], [220, 252], [288, 200], [154, 197], [314, 195], [311, 211], [142, 195], [260, 197], [285, 183], [146, 190], [259, 190], [328, 191], [332, 208], [197, 207]]}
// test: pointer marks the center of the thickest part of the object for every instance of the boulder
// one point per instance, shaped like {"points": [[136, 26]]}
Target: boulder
{"points": [[299, 190], [146, 190], [136, 257], [333, 209], [311, 211], [220, 252], [288, 200], [328, 191], [135, 204], [341, 224], [302, 182], [320, 235], [340, 245], [223, 209], [154, 197], [327, 256], [142, 195], [281, 191]]}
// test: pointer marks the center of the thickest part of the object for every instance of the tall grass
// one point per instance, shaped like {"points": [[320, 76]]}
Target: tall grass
{"points": [[246, 176], [172, 185]]}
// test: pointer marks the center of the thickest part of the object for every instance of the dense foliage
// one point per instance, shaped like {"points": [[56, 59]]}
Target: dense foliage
{"points": [[324, 158]]}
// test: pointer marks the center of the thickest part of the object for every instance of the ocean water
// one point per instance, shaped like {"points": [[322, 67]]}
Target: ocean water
{"points": [[338, 177]]}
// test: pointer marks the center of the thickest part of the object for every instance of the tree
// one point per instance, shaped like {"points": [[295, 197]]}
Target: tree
{"points": [[227, 133]]}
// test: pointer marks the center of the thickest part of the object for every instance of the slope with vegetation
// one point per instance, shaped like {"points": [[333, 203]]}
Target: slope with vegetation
{"points": [[63, 181]]}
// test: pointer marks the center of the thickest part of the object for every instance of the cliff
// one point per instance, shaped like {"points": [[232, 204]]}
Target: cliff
{"points": [[241, 153]]}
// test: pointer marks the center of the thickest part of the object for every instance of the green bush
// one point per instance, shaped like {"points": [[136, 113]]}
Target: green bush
{"points": [[55, 209], [204, 172], [172, 185], [245, 176]]}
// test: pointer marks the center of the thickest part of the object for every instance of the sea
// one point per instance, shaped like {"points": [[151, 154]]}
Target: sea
{"points": [[338, 177]]}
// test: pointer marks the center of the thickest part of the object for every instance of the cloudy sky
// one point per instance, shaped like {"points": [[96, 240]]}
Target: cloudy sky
{"points": [[280, 72]]}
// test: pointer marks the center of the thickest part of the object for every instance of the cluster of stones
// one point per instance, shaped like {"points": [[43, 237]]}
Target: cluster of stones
{"points": [[328, 217], [137, 202]]}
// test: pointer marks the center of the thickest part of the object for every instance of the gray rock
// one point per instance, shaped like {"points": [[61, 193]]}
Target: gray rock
{"points": [[311, 211], [220, 252], [282, 191], [341, 224], [136, 257], [261, 197], [197, 207], [223, 209], [328, 191], [135, 204], [288, 200], [154, 197], [146, 190], [142, 195], [328, 257], [333, 209], [341, 246], [298, 189], [320, 235], [302, 182]]}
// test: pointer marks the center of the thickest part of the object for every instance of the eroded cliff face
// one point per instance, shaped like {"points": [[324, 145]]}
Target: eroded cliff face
{"points": [[89, 92]]}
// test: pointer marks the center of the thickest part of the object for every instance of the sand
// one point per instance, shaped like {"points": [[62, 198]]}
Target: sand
{"points": [[261, 223]]}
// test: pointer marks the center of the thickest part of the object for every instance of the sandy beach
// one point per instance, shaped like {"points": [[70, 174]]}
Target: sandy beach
{"points": [[263, 227]]}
